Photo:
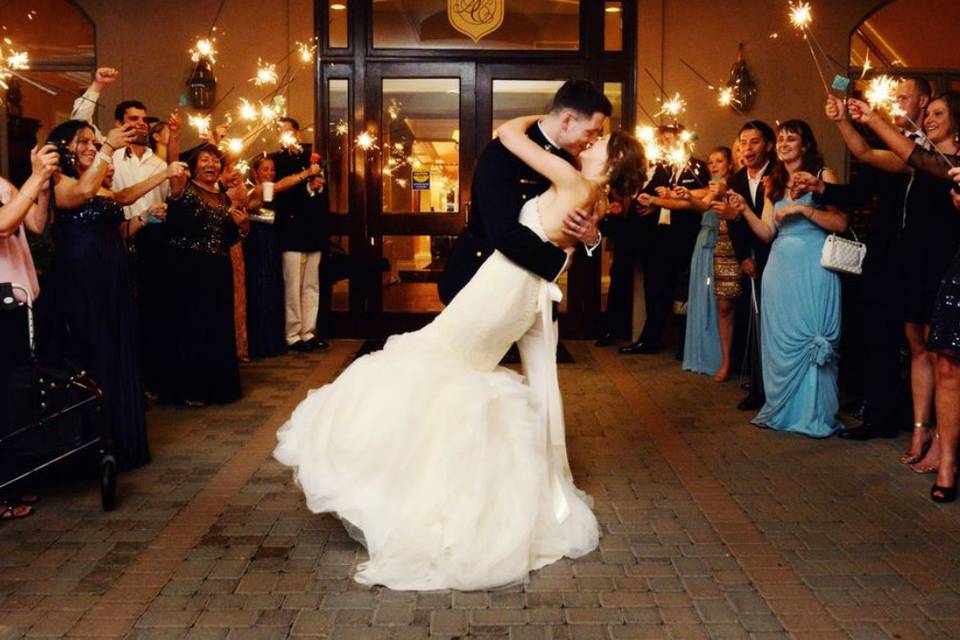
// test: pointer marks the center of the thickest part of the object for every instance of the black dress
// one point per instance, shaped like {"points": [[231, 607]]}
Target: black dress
{"points": [[201, 348], [265, 305], [944, 335], [95, 323], [930, 237]]}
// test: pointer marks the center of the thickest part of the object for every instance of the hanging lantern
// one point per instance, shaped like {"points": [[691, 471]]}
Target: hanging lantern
{"points": [[741, 84], [202, 85]]}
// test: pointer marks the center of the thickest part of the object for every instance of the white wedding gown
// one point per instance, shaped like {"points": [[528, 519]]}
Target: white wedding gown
{"points": [[436, 458]]}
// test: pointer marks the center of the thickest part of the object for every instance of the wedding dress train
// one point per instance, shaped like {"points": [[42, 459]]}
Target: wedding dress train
{"points": [[450, 469]]}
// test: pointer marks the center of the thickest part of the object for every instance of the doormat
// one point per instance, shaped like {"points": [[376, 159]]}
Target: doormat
{"points": [[512, 357]]}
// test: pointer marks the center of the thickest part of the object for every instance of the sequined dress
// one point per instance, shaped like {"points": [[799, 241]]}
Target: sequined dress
{"points": [[726, 268], [200, 341], [94, 318]]}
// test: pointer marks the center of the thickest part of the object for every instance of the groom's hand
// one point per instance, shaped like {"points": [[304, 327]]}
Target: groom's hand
{"points": [[582, 225]]}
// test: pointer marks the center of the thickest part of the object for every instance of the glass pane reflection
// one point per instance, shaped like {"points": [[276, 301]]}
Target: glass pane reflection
{"points": [[336, 270], [415, 264], [512, 98], [421, 145], [337, 32], [338, 152], [613, 26]]}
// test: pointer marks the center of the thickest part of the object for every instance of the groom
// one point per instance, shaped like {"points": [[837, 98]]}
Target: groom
{"points": [[503, 183]]}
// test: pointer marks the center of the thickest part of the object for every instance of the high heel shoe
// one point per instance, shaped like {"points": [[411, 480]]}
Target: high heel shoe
{"points": [[943, 494], [907, 457]]}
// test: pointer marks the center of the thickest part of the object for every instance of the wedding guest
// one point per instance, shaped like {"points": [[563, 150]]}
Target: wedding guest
{"points": [[231, 183], [714, 279], [800, 313], [884, 325], [95, 324], [756, 140], [932, 185], [930, 237], [200, 341], [264, 265], [300, 225], [670, 239]]}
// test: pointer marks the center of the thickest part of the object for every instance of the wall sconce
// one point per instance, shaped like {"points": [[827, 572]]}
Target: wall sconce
{"points": [[202, 85], [742, 84]]}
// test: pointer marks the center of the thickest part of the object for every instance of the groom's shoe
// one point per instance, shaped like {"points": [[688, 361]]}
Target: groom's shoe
{"points": [[638, 348], [750, 403]]}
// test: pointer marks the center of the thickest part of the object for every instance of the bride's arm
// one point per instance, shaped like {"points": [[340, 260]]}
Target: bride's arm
{"points": [[513, 135]]}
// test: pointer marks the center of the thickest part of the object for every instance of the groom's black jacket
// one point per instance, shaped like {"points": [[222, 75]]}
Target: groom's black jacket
{"points": [[501, 185]]}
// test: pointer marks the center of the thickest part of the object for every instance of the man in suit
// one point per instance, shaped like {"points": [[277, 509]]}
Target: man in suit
{"points": [[670, 234], [503, 183], [757, 141], [301, 213]]}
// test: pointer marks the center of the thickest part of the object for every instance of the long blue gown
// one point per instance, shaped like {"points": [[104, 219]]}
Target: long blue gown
{"points": [[701, 343], [799, 331]]}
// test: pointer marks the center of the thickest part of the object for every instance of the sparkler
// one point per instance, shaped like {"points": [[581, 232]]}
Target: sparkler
{"points": [[881, 94], [248, 112], [673, 107], [801, 15], [234, 145], [266, 74], [306, 51], [288, 140], [204, 49], [342, 128], [200, 123], [725, 97], [18, 60], [366, 141]]}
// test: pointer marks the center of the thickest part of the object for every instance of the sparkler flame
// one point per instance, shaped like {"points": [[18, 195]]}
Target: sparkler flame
{"points": [[366, 140], [234, 145], [248, 112], [200, 123], [204, 49], [725, 97], [801, 15], [673, 107], [881, 94], [342, 128], [306, 51], [18, 60], [266, 73], [288, 140]]}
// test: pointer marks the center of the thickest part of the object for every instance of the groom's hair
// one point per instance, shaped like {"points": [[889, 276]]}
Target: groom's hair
{"points": [[582, 97]]}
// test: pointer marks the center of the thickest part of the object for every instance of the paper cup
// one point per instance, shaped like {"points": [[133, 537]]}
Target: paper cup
{"points": [[268, 192]]}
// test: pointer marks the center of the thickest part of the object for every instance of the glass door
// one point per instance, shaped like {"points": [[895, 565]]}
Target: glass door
{"points": [[421, 121]]}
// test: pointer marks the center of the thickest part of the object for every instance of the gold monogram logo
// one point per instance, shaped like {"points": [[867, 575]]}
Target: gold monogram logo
{"points": [[475, 18]]}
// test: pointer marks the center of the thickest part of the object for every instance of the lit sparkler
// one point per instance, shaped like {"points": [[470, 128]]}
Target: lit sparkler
{"points": [[248, 111], [288, 140], [18, 60], [234, 145], [673, 107], [801, 16], [204, 49], [725, 98], [881, 94], [266, 74], [342, 128], [306, 51], [366, 141], [200, 123]]}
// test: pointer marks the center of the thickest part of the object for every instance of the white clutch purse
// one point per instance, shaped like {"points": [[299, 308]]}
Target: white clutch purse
{"points": [[842, 255]]}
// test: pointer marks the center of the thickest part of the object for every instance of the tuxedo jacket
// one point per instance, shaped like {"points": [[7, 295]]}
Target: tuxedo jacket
{"points": [[746, 244], [300, 223], [502, 184]]}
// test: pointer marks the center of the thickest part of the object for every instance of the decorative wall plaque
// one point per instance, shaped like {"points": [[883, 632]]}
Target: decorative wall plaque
{"points": [[476, 18]]}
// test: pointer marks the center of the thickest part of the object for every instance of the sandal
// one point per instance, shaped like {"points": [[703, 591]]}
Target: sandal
{"points": [[943, 494], [909, 458], [15, 512]]}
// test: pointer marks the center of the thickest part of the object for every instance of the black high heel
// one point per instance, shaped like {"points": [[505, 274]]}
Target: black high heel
{"points": [[943, 494]]}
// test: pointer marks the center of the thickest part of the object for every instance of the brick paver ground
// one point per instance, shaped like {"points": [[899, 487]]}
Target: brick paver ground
{"points": [[712, 528]]}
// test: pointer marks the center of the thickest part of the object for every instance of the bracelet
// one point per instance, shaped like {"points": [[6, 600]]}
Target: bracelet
{"points": [[107, 144]]}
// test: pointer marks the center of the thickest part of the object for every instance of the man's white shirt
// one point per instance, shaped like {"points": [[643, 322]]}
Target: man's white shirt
{"points": [[129, 170]]}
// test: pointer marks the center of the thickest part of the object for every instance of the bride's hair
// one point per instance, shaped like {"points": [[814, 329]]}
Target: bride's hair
{"points": [[626, 163]]}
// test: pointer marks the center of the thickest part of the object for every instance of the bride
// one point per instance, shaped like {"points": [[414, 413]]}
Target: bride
{"points": [[436, 458]]}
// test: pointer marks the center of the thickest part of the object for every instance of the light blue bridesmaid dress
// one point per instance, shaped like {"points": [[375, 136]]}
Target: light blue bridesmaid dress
{"points": [[701, 343], [799, 331]]}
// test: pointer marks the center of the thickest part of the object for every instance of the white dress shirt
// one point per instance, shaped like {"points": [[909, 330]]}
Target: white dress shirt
{"points": [[754, 184], [129, 170]]}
